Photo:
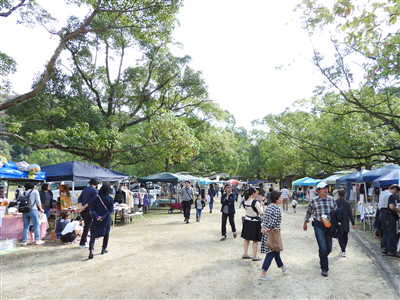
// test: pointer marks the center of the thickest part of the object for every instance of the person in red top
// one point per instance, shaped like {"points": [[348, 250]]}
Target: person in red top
{"points": [[320, 208]]}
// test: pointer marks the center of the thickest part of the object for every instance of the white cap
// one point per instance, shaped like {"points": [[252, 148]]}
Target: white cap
{"points": [[321, 185]]}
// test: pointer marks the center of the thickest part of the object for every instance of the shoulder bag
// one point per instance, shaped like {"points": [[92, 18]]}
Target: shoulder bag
{"points": [[274, 239]]}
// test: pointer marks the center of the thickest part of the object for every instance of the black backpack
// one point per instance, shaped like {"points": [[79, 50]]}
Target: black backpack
{"points": [[24, 203]]}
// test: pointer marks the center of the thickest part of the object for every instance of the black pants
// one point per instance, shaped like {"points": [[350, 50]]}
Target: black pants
{"points": [[186, 206], [105, 242], [88, 219], [231, 221], [69, 237], [343, 239]]}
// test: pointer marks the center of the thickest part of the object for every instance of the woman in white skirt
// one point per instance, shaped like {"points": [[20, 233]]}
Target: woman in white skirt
{"points": [[252, 223]]}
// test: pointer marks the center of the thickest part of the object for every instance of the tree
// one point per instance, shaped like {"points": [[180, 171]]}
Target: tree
{"points": [[109, 121], [362, 114], [146, 19]]}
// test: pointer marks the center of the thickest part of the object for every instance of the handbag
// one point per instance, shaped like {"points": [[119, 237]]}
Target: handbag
{"points": [[274, 240]]}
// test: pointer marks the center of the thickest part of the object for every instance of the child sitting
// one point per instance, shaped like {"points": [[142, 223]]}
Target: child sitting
{"points": [[199, 204], [72, 230], [294, 204], [62, 222]]}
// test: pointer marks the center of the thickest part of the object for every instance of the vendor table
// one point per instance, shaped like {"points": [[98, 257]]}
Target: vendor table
{"points": [[162, 201], [11, 227], [122, 211]]}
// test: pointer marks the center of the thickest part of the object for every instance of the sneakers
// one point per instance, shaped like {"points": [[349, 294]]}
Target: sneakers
{"points": [[187, 221], [25, 244], [246, 256], [394, 255], [83, 246], [324, 273], [286, 270], [184, 221], [197, 220], [223, 238], [256, 258], [266, 278], [343, 254], [40, 242], [235, 235]]}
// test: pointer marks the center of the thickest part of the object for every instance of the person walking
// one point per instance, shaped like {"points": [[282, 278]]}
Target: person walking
{"points": [[252, 223], [187, 197], [199, 204], [235, 190], [388, 216], [285, 197], [101, 207], [344, 224], [46, 197], [271, 220], [32, 215], [211, 195], [85, 199], [228, 211], [320, 208]]}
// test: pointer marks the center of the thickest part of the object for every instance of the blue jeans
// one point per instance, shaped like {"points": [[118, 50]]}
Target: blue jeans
{"points": [[324, 241], [268, 259], [388, 225], [47, 212], [33, 216], [198, 213], [211, 204]]}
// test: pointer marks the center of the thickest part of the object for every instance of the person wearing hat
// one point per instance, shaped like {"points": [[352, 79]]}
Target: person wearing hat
{"points": [[85, 200], [320, 208], [388, 216]]}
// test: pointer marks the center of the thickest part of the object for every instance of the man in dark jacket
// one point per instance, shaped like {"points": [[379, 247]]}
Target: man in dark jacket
{"points": [[228, 211], [85, 200], [346, 216]]}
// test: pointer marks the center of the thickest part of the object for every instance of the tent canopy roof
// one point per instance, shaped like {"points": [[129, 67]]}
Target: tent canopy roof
{"points": [[351, 177], [387, 180], [257, 181], [332, 179], [75, 170], [306, 181], [372, 175], [163, 177]]}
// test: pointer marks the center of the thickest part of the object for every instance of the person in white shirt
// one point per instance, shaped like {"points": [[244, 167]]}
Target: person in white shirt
{"points": [[285, 197], [72, 230], [252, 223]]}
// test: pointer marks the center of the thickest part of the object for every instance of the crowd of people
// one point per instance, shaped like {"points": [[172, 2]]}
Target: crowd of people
{"points": [[330, 218], [96, 207]]}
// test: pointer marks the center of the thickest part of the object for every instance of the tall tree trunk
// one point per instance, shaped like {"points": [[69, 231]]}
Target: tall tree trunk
{"points": [[105, 160]]}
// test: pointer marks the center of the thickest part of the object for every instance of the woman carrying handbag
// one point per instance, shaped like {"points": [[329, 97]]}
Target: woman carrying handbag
{"points": [[271, 220]]}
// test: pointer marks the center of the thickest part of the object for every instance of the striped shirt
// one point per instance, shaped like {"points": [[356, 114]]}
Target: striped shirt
{"points": [[285, 193]]}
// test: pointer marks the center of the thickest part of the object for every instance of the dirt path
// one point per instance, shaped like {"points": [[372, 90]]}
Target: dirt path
{"points": [[167, 259]]}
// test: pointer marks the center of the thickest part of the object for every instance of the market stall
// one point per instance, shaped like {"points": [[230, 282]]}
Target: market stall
{"points": [[164, 177]]}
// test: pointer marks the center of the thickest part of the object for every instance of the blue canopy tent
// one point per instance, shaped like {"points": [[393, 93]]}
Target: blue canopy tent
{"points": [[307, 181], [205, 181], [387, 180], [75, 170], [372, 175], [348, 180], [10, 171]]}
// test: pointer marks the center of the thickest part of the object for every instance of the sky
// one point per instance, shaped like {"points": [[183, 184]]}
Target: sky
{"points": [[236, 45]]}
